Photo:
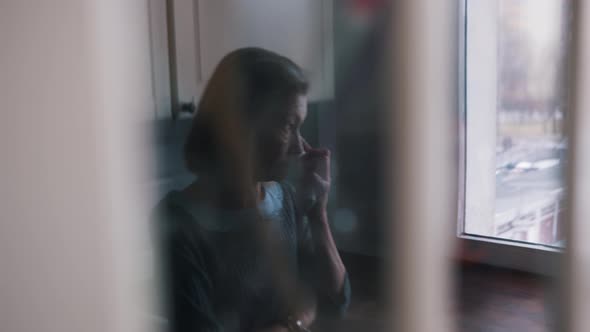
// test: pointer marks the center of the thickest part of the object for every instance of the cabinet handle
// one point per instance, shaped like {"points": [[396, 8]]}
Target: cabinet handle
{"points": [[189, 107]]}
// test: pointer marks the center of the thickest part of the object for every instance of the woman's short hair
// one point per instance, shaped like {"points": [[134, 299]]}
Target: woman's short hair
{"points": [[232, 101]]}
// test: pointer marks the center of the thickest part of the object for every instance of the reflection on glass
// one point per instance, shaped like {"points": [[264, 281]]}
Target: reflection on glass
{"points": [[530, 144]]}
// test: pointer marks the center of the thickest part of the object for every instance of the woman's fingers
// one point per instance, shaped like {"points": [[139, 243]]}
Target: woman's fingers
{"points": [[317, 161], [306, 146], [320, 181], [316, 166], [316, 154], [311, 151]]}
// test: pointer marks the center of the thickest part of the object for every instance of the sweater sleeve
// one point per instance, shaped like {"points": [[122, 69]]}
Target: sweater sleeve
{"points": [[306, 255]]}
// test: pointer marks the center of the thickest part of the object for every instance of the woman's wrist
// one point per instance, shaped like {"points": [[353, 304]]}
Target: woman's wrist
{"points": [[296, 325], [318, 214]]}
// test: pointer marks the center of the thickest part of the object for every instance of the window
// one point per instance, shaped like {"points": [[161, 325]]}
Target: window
{"points": [[514, 108]]}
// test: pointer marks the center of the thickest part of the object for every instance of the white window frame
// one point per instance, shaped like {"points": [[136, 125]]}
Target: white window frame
{"points": [[474, 138]]}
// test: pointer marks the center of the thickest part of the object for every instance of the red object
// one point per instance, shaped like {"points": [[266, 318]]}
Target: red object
{"points": [[366, 5]]}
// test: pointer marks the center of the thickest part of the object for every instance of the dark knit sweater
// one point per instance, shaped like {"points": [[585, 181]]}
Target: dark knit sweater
{"points": [[237, 270]]}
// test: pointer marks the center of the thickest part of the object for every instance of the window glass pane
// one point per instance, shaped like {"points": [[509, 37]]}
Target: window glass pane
{"points": [[531, 42]]}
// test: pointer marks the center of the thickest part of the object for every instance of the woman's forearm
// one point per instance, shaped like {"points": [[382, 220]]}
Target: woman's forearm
{"points": [[329, 268]]}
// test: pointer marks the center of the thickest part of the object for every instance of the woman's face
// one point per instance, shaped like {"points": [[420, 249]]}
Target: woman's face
{"points": [[279, 139]]}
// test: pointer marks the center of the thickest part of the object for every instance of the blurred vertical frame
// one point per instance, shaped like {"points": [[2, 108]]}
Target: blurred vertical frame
{"points": [[423, 181], [576, 266], [74, 166]]}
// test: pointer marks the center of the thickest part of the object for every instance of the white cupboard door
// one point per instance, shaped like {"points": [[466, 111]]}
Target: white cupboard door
{"points": [[206, 30], [159, 58]]}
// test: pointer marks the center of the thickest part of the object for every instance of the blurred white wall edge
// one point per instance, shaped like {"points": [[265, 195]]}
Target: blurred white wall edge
{"points": [[575, 316], [424, 164], [75, 94]]}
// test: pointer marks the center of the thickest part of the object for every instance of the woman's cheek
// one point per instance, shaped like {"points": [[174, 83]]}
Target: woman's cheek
{"points": [[281, 143], [274, 146]]}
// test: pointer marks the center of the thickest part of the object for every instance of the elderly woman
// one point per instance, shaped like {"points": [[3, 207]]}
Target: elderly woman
{"points": [[243, 250]]}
